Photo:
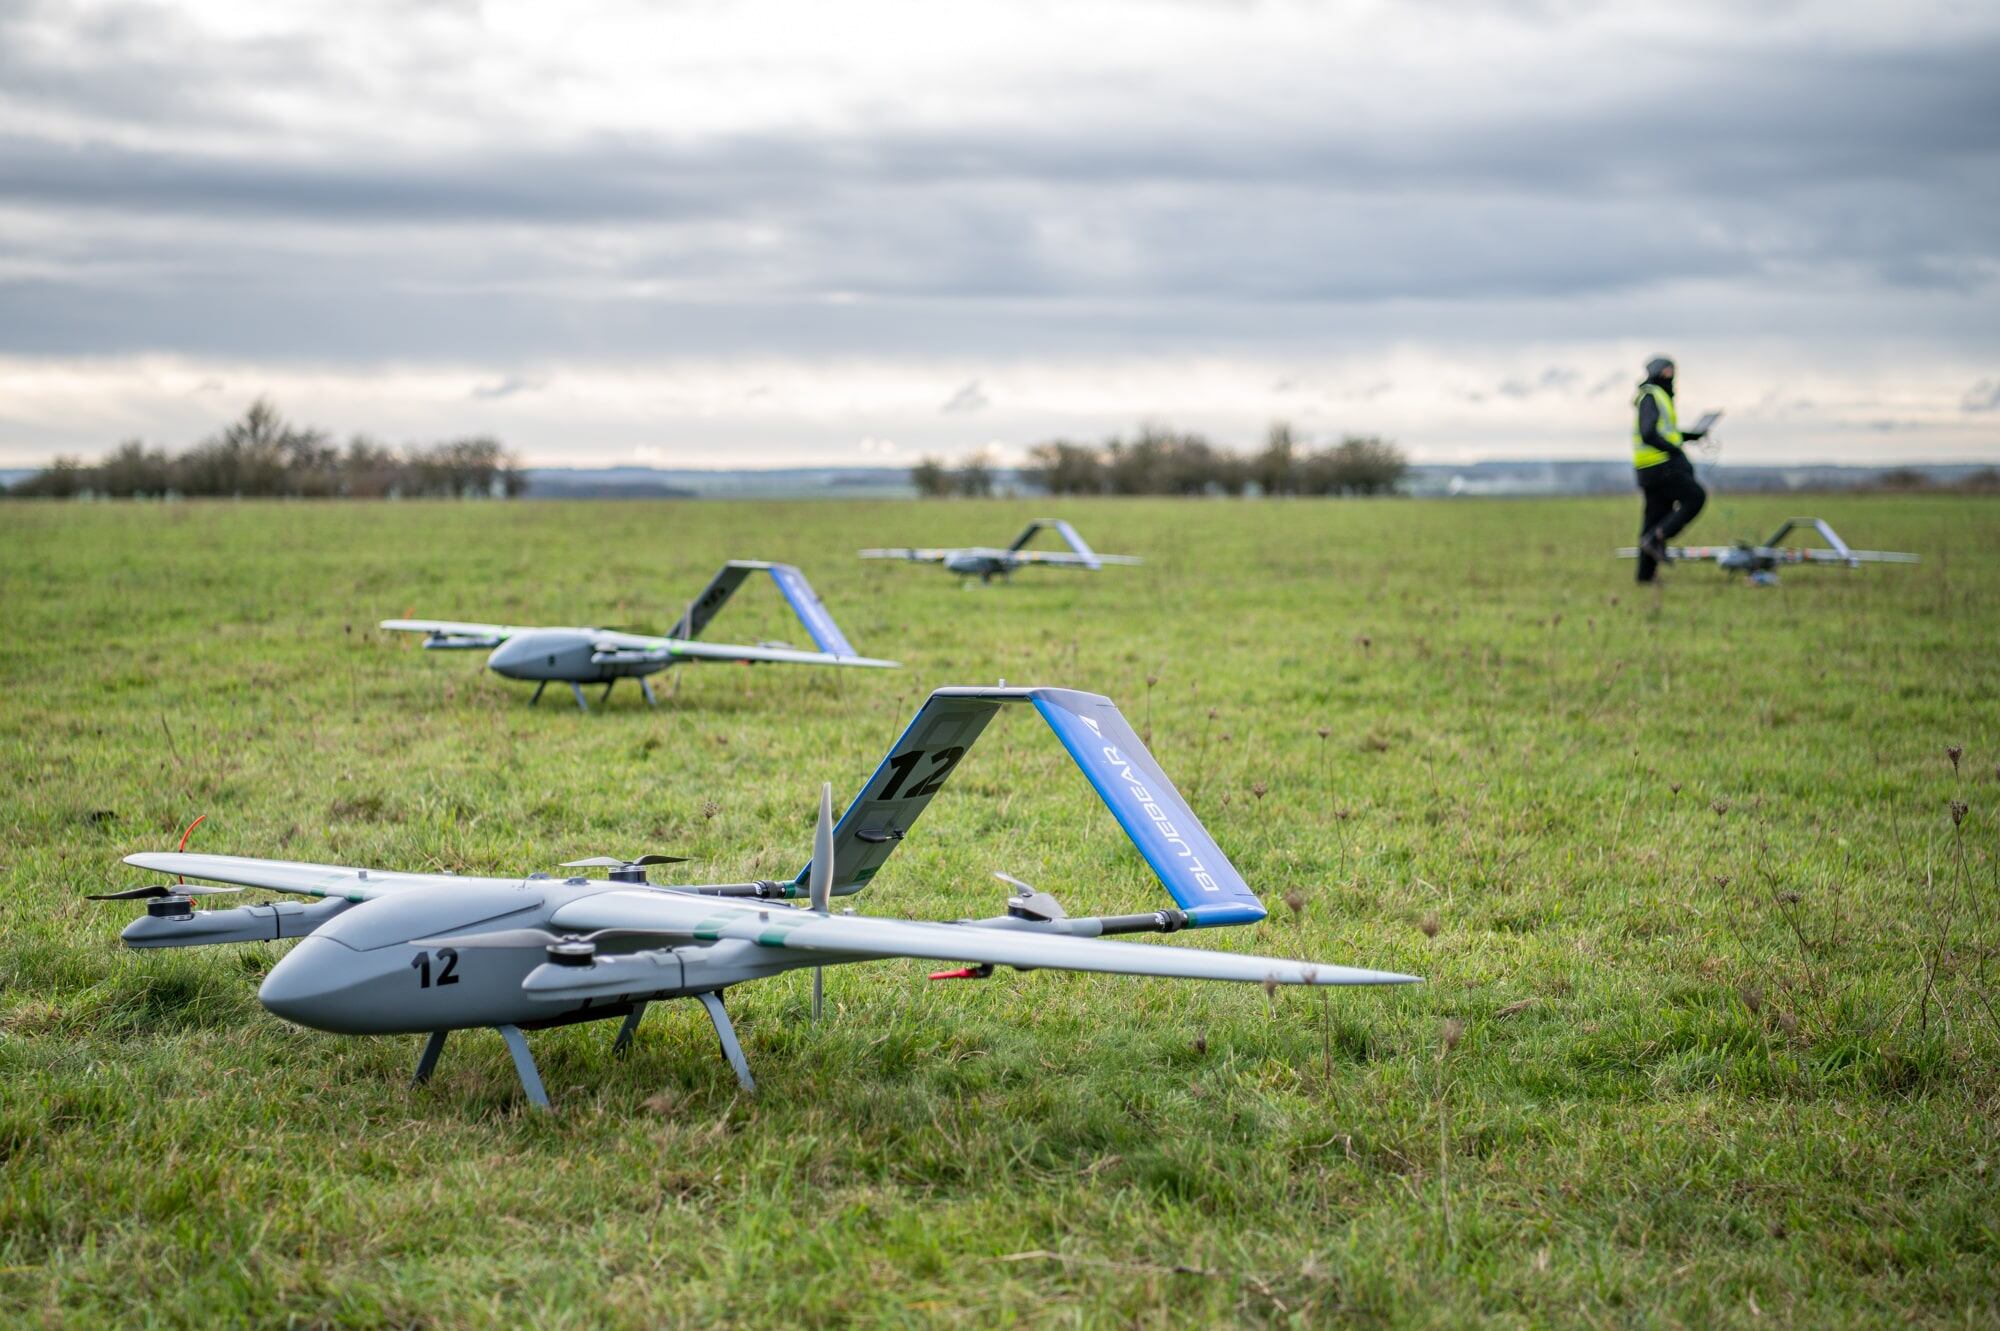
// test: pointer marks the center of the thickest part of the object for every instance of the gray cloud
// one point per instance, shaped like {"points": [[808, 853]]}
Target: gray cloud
{"points": [[507, 386], [164, 189], [1554, 379], [1789, 163], [969, 397]]}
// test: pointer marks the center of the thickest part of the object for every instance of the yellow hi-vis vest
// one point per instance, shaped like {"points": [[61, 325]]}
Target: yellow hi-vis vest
{"points": [[1644, 454]]}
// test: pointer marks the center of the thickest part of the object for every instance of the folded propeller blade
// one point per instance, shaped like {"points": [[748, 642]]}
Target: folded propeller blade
{"points": [[530, 937], [819, 883], [162, 890], [613, 862], [1027, 897]]}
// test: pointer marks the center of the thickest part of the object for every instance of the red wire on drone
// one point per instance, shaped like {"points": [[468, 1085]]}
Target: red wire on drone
{"points": [[188, 832]]}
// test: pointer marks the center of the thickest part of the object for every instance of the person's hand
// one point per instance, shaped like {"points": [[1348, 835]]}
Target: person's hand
{"points": [[1690, 436]]}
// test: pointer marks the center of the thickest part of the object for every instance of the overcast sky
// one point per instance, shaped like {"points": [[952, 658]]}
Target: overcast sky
{"points": [[766, 234]]}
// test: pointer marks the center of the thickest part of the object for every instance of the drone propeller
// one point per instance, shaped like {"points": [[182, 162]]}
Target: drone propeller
{"points": [[161, 890], [532, 936], [566, 949], [613, 862], [819, 882], [624, 871], [1029, 902], [1026, 902]]}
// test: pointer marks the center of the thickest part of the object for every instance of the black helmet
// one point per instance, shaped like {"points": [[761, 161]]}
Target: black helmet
{"points": [[1660, 367]]}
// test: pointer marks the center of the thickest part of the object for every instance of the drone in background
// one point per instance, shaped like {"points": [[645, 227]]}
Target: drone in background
{"points": [[428, 954], [579, 656], [987, 563], [1761, 562]]}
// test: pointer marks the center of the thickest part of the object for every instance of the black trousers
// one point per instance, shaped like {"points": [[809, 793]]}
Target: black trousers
{"points": [[1673, 500]]}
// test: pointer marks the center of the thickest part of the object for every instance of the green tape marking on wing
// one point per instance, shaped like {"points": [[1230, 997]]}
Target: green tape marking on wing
{"points": [[775, 935]]}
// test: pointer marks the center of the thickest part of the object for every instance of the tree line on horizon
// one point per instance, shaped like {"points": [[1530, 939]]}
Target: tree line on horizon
{"points": [[265, 456], [1164, 461]]}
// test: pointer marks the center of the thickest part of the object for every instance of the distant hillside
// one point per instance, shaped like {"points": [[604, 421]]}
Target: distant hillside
{"points": [[1574, 478], [1470, 479], [673, 483]]}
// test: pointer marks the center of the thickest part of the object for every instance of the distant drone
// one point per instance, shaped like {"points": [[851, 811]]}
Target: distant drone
{"points": [[987, 563], [1761, 561], [579, 656], [427, 954]]}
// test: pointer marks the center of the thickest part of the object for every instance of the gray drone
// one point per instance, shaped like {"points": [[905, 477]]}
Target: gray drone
{"points": [[580, 656], [427, 954], [1761, 562], [987, 563]]}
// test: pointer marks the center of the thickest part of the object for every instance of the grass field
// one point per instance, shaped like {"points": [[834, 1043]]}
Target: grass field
{"points": [[1682, 869]]}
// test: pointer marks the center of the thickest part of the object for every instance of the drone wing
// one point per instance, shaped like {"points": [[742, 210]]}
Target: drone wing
{"points": [[635, 648], [1064, 559], [914, 556], [1836, 551], [1681, 553], [453, 634], [1810, 555], [857, 938], [308, 880]]}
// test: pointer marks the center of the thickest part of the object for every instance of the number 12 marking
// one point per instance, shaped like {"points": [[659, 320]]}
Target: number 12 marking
{"points": [[902, 764], [447, 974]]}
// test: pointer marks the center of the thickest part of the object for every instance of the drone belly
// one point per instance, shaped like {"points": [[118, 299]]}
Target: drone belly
{"points": [[401, 990]]}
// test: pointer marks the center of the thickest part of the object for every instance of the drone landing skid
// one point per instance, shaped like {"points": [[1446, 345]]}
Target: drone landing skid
{"points": [[725, 1032], [531, 1077], [645, 687], [517, 1045], [629, 1028]]}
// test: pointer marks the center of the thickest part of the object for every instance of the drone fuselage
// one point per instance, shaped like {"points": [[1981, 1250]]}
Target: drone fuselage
{"points": [[1745, 559], [564, 655], [980, 562], [370, 971]]}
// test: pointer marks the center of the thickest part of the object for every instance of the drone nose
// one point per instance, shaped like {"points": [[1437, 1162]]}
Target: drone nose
{"points": [[510, 656], [305, 980]]}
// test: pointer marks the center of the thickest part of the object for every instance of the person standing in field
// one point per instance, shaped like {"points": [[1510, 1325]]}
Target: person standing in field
{"points": [[1673, 497]]}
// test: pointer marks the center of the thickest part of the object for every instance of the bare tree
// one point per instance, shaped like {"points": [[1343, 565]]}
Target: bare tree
{"points": [[264, 454], [931, 478], [975, 477]]}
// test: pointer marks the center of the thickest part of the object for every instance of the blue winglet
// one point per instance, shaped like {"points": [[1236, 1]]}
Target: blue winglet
{"points": [[1202, 880], [1076, 542], [1158, 821], [812, 612]]}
